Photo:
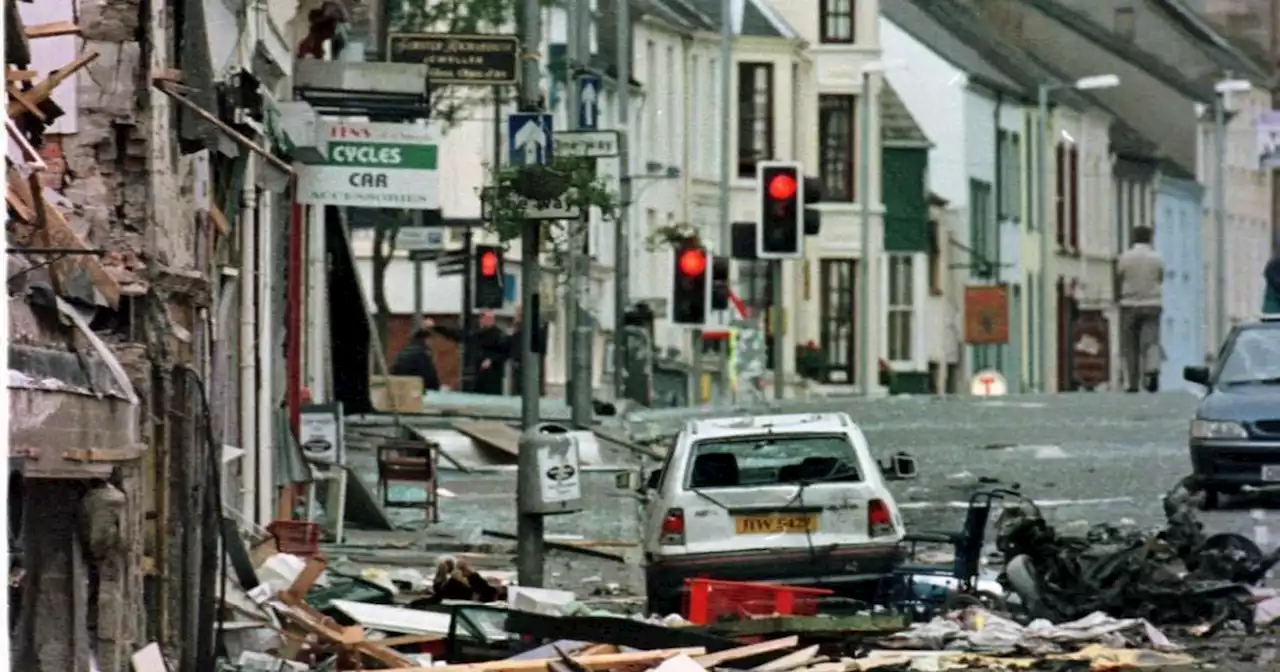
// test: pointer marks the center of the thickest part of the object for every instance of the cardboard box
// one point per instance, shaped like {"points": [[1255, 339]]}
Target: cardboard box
{"points": [[401, 394]]}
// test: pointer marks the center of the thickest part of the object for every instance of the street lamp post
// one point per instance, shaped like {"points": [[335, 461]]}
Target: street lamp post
{"points": [[1042, 199]]}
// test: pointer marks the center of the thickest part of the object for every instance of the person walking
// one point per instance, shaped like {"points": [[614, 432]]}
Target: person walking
{"points": [[1140, 272], [1271, 292], [416, 358]]}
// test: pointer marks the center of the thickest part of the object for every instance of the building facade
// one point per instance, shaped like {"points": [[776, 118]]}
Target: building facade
{"points": [[843, 42]]}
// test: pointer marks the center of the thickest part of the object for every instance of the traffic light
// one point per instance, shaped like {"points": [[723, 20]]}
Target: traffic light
{"points": [[488, 277], [781, 226], [720, 283], [691, 288]]}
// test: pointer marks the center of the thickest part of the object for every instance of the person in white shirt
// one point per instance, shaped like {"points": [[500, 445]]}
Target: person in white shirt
{"points": [[1140, 273]]}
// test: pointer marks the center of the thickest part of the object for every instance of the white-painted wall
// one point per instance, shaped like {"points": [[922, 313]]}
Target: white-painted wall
{"points": [[1248, 217]]}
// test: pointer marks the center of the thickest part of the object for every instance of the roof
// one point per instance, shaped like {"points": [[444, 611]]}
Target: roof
{"points": [[781, 424], [1017, 63], [1127, 142], [897, 126], [911, 17], [758, 18], [1220, 49], [1124, 49]]}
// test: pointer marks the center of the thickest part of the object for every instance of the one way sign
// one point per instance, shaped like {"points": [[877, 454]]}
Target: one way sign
{"points": [[589, 92], [529, 139]]}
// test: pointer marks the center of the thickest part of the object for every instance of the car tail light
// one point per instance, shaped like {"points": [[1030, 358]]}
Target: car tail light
{"points": [[672, 528], [879, 518]]}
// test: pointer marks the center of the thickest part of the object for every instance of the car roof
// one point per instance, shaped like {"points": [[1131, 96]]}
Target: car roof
{"points": [[756, 424]]}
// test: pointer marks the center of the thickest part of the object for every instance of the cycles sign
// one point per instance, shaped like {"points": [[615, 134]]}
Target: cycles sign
{"points": [[375, 165]]}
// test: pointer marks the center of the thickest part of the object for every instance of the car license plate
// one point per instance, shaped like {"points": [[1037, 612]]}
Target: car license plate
{"points": [[1271, 472], [776, 524]]}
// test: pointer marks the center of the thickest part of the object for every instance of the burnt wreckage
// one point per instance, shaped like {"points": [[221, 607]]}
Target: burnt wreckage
{"points": [[1178, 575]]}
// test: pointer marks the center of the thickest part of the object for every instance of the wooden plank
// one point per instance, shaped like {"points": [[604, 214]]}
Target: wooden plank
{"points": [[790, 661], [42, 91], [52, 29], [16, 94], [20, 75], [497, 435], [600, 662], [219, 220], [406, 640], [102, 454], [60, 234], [308, 576], [598, 650], [711, 660]]}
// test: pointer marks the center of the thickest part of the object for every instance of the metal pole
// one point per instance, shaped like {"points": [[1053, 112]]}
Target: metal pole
{"points": [[572, 103], [621, 240], [467, 313], [778, 313], [579, 38], [726, 161], [1042, 212], [417, 293], [529, 544], [867, 368], [1220, 214]]}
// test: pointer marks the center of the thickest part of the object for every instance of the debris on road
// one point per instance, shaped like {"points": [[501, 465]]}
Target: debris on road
{"points": [[978, 630], [1177, 575]]}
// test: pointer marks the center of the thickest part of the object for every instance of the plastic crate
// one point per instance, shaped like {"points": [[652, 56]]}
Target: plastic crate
{"points": [[299, 537], [710, 600]]}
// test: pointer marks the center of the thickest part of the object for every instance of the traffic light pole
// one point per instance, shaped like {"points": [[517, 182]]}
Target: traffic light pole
{"points": [[530, 545], [779, 341], [467, 323], [621, 241], [417, 282]]}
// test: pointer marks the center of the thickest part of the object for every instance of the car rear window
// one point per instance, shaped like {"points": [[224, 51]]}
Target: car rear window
{"points": [[773, 460]]}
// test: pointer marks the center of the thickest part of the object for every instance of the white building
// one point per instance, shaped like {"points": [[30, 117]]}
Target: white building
{"points": [[843, 41], [676, 60]]}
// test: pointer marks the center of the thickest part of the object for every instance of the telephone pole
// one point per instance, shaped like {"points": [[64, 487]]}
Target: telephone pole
{"points": [[579, 388]]}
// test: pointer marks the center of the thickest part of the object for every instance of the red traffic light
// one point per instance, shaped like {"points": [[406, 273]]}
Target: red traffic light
{"points": [[489, 264], [692, 263], [782, 187]]}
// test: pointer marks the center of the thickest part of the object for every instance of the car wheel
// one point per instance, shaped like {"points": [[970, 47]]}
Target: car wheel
{"points": [[1212, 500]]}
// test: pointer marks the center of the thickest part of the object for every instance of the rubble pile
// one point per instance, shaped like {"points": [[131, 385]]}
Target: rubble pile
{"points": [[1176, 575]]}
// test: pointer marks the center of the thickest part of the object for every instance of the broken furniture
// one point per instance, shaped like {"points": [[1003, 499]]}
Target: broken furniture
{"points": [[335, 477], [409, 461]]}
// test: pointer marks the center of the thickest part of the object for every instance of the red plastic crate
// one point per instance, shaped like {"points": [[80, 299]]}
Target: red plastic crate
{"points": [[299, 537], [710, 600]]}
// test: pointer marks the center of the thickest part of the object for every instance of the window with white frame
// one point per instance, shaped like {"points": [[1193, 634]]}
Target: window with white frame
{"points": [[901, 308]]}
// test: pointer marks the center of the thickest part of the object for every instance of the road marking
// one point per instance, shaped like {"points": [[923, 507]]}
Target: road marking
{"points": [[1042, 503]]}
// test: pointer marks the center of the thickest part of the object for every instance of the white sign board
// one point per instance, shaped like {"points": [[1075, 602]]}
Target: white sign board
{"points": [[558, 472], [375, 166], [420, 238], [320, 433], [988, 383], [587, 144], [558, 208]]}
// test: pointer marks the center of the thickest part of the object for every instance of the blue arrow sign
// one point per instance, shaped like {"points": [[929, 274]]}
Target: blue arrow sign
{"points": [[529, 139], [589, 92]]}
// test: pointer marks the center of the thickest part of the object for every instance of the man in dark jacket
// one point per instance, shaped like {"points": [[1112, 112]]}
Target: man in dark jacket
{"points": [[488, 348], [415, 358]]}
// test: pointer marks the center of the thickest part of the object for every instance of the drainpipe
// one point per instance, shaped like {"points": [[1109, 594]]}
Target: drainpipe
{"points": [[317, 305], [266, 357], [248, 337]]}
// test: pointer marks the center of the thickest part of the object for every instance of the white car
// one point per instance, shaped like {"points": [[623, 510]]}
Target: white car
{"points": [[792, 499]]}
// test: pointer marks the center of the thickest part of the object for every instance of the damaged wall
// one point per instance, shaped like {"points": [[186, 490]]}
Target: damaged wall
{"points": [[126, 188]]}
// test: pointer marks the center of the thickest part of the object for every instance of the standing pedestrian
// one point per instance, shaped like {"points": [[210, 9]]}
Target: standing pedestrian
{"points": [[1271, 293], [416, 359], [488, 347], [1140, 272]]}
